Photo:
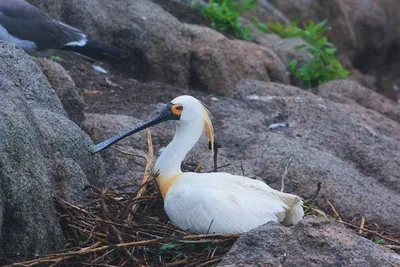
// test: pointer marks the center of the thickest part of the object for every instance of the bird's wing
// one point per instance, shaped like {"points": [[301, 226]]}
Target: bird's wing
{"points": [[20, 9], [222, 204], [26, 22]]}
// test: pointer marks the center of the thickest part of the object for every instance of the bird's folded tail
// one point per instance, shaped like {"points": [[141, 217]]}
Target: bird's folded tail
{"points": [[295, 211], [95, 50]]}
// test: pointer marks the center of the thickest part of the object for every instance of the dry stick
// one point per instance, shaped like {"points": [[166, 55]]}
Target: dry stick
{"points": [[122, 241], [145, 180], [207, 263], [319, 185], [49, 259], [335, 212], [392, 247], [311, 200], [360, 230], [215, 158], [285, 173], [241, 167], [175, 263], [357, 227], [147, 172], [372, 232], [216, 147], [38, 261], [144, 242], [130, 153]]}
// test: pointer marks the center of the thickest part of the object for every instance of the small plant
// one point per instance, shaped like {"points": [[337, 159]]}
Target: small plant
{"points": [[225, 14], [324, 66], [55, 58]]}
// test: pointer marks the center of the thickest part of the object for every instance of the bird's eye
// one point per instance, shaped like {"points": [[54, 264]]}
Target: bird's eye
{"points": [[177, 109]]}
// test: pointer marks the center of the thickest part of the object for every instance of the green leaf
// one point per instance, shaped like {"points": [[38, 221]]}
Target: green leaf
{"points": [[55, 58], [170, 246]]}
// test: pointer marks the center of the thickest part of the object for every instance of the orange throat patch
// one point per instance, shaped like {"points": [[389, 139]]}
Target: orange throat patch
{"points": [[165, 183]]}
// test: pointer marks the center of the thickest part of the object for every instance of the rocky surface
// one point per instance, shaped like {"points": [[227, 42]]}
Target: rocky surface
{"points": [[352, 93], [43, 154], [312, 242], [366, 32], [167, 50], [356, 171], [70, 96], [342, 134]]}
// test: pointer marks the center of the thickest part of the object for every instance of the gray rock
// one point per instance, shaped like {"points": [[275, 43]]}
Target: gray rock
{"points": [[365, 32], [359, 167], [351, 92], [166, 50], [121, 168], [43, 154], [312, 242], [70, 96]]}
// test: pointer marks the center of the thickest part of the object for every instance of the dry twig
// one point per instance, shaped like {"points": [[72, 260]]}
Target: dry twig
{"points": [[360, 229], [336, 214], [147, 169], [285, 173]]}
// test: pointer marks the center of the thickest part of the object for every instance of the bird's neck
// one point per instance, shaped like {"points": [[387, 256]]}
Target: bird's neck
{"points": [[186, 136]]}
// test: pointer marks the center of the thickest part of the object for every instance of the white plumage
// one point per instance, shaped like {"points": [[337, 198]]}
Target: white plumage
{"points": [[210, 202], [215, 202], [224, 203]]}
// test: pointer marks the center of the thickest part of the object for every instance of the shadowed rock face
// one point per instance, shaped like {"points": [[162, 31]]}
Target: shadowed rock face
{"points": [[42, 154], [70, 96], [366, 32], [312, 242]]}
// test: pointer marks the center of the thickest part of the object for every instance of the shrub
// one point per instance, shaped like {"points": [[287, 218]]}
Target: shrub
{"points": [[324, 66], [225, 14]]}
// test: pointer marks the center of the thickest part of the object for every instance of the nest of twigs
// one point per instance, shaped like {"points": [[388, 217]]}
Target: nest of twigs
{"points": [[109, 232], [119, 228]]}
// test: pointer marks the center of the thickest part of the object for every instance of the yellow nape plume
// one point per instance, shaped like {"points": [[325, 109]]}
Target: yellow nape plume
{"points": [[208, 126]]}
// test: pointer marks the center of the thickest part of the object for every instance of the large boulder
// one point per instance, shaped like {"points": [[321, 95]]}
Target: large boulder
{"points": [[358, 26], [167, 50], [366, 32], [43, 154], [70, 96], [314, 242], [350, 92], [352, 150]]}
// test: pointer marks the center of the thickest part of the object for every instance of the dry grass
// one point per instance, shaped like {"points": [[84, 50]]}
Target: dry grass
{"points": [[121, 228]]}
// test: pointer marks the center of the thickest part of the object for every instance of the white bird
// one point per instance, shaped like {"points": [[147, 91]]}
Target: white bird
{"points": [[209, 202]]}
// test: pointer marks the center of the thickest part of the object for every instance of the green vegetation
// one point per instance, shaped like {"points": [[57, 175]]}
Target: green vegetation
{"points": [[55, 58], [324, 66], [225, 14], [189, 247]]}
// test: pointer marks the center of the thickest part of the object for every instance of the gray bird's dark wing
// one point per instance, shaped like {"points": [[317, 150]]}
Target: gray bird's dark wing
{"points": [[26, 22]]}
